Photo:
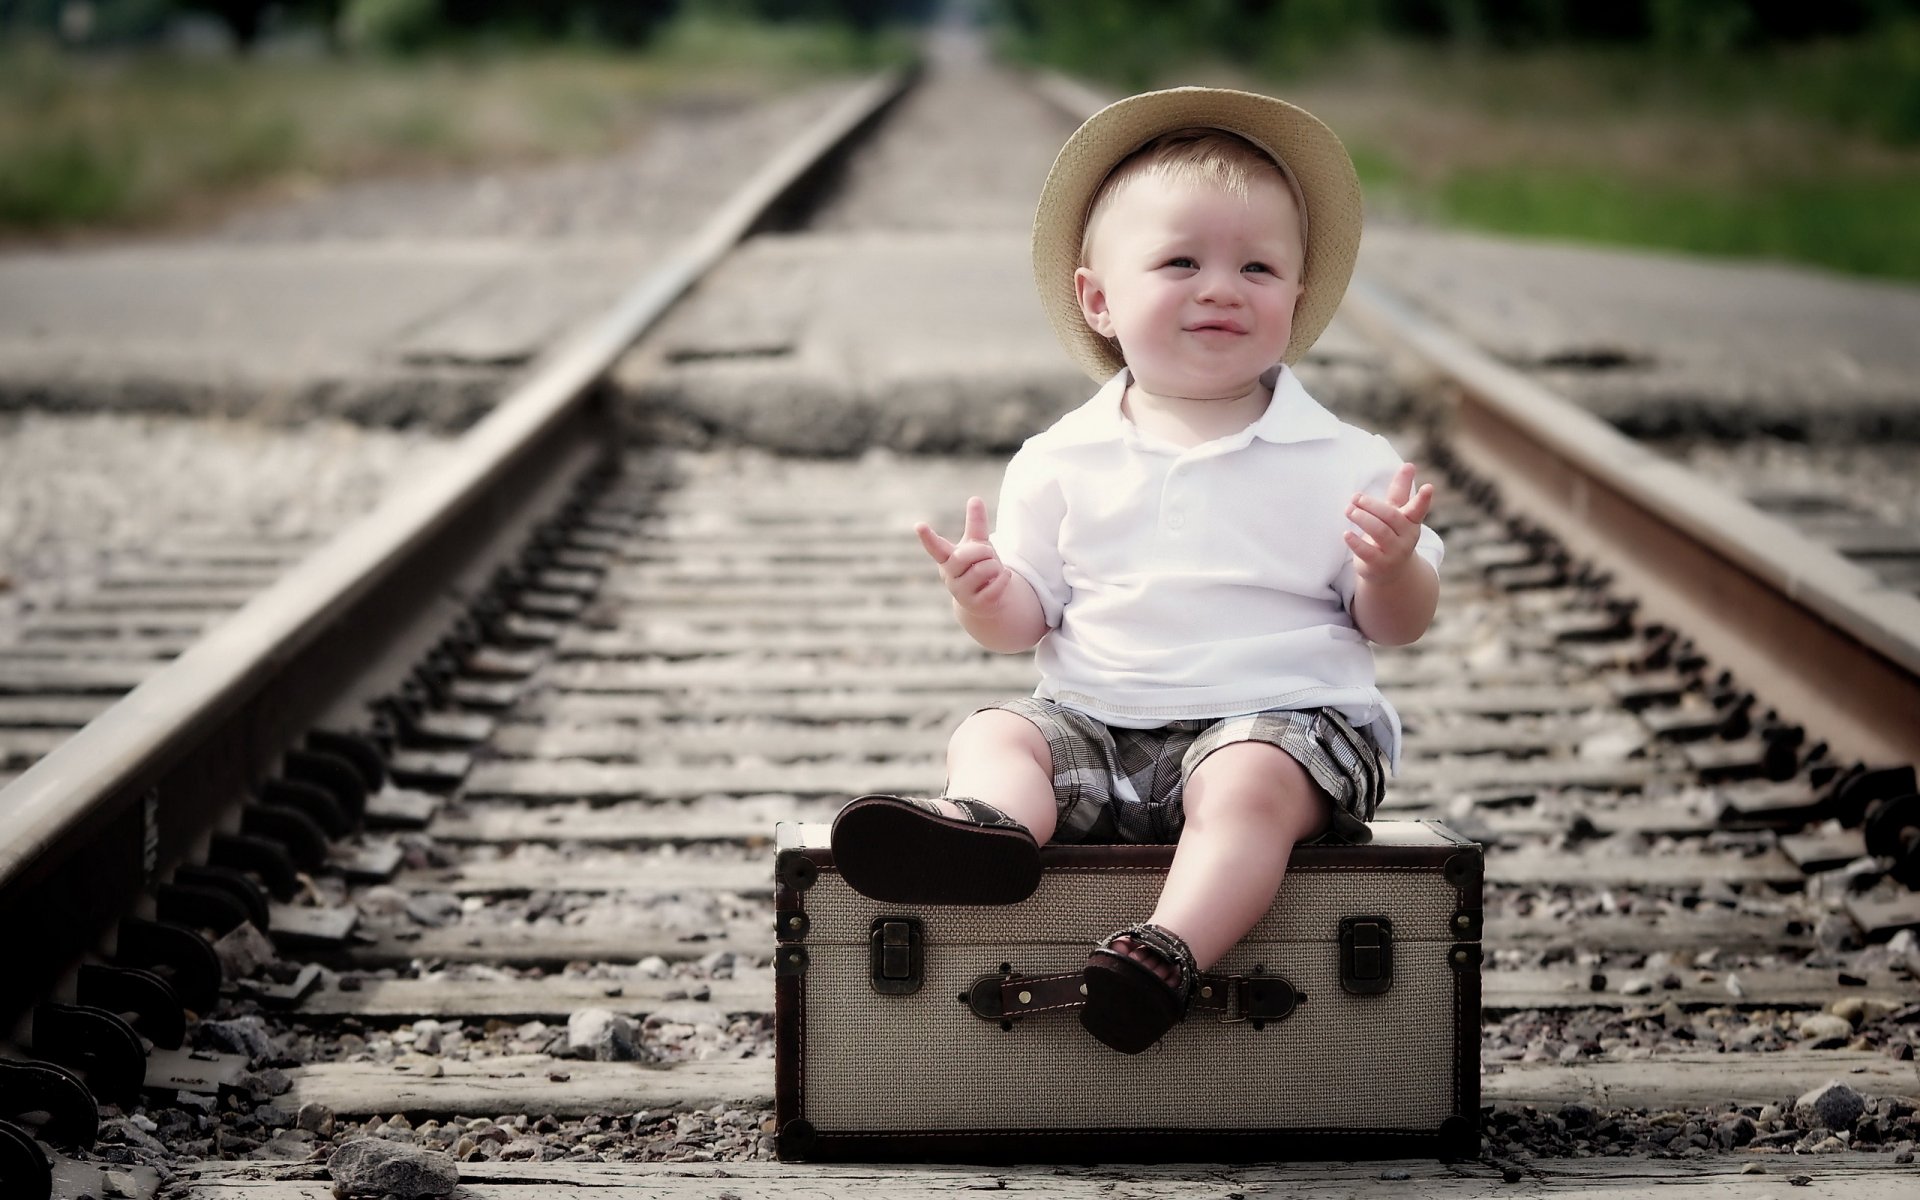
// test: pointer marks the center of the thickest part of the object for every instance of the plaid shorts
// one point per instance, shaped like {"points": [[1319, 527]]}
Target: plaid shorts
{"points": [[1125, 785]]}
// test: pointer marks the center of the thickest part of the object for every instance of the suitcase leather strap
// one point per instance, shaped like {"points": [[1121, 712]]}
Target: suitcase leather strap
{"points": [[1235, 998]]}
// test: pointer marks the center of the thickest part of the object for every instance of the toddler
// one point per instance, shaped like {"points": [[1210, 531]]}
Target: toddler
{"points": [[1200, 554]]}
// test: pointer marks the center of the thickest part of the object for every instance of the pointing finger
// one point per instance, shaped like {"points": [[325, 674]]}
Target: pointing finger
{"points": [[976, 530]]}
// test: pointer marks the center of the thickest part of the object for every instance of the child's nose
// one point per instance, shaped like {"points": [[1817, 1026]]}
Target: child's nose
{"points": [[1220, 287]]}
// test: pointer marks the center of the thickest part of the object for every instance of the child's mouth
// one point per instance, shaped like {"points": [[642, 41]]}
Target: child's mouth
{"points": [[1216, 327]]}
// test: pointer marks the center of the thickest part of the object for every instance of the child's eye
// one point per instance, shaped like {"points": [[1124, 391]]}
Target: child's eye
{"points": [[1259, 266], [1182, 262]]}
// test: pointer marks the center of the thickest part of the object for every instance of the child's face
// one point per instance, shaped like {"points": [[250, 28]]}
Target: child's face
{"points": [[1198, 285]]}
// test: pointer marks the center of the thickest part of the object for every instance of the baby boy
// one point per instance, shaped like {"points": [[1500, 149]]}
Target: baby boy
{"points": [[1199, 556]]}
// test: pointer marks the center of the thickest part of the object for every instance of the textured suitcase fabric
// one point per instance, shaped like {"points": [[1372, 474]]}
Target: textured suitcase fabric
{"points": [[906, 1068]]}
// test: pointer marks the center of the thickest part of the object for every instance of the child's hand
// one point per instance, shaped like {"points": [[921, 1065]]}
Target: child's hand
{"points": [[1389, 528], [971, 570]]}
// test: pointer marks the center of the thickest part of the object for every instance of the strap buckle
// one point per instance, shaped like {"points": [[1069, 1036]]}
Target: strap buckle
{"points": [[1257, 998]]}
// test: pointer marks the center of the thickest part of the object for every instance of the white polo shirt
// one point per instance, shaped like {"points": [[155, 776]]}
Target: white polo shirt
{"points": [[1199, 582]]}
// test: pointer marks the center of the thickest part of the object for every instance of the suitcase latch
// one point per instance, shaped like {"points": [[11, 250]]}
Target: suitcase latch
{"points": [[1366, 955], [896, 944]]}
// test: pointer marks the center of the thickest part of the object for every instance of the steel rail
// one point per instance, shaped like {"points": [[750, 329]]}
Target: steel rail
{"points": [[1814, 636], [112, 809]]}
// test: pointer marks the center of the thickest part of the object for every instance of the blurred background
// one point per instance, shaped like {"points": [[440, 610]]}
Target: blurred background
{"points": [[1765, 128], [1742, 127]]}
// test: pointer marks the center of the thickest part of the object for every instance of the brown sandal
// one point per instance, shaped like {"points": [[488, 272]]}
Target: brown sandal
{"points": [[1129, 1006], [903, 851]]}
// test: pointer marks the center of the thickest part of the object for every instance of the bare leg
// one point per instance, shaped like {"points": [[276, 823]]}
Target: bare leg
{"points": [[1246, 805], [1002, 758]]}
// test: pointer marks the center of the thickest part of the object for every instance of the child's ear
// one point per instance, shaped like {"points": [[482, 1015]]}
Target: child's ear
{"points": [[1093, 301]]}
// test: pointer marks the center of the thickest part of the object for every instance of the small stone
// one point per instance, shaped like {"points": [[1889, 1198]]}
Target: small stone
{"points": [[374, 1166], [1734, 1132], [1827, 1145], [119, 1183], [1800, 1180], [520, 1150], [433, 908], [652, 966], [1834, 1106], [233, 1145], [1396, 1175], [1836, 932], [601, 1035], [1858, 1010], [241, 1035], [426, 1036], [1510, 1175], [1637, 986], [1819, 1027], [274, 1116], [1753, 1169], [288, 1144], [242, 951]]}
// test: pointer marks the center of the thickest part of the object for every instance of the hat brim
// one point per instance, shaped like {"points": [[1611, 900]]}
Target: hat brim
{"points": [[1310, 151]]}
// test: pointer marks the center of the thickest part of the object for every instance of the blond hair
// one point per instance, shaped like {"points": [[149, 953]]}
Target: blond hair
{"points": [[1192, 156]]}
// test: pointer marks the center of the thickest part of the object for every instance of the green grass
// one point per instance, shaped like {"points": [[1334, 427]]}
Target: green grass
{"points": [[139, 139], [1864, 226], [1771, 156]]}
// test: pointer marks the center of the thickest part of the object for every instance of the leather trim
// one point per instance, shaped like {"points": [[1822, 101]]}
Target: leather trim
{"points": [[1159, 857], [789, 1025], [1124, 1145]]}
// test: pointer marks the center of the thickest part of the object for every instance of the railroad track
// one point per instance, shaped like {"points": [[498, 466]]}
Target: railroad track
{"points": [[513, 861]]}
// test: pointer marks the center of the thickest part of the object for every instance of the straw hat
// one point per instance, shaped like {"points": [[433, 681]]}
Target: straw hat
{"points": [[1307, 150]]}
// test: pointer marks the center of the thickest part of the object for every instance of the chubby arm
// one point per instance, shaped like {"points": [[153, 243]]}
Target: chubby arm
{"points": [[1395, 590], [995, 605]]}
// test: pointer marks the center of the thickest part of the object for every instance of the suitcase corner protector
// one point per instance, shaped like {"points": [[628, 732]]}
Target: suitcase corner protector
{"points": [[797, 1140], [1459, 1137]]}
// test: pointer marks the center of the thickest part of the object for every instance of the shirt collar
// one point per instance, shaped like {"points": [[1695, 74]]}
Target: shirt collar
{"points": [[1292, 415]]}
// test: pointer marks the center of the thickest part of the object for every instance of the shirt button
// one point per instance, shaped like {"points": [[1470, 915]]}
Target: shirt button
{"points": [[1175, 521]]}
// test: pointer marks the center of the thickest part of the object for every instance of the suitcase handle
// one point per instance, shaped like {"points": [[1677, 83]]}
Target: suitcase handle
{"points": [[1257, 998]]}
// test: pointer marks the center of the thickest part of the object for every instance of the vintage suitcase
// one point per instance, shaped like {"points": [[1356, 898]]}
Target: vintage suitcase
{"points": [[1345, 1025]]}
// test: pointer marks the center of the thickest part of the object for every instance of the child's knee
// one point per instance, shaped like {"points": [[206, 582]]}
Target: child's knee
{"points": [[997, 731], [1258, 781]]}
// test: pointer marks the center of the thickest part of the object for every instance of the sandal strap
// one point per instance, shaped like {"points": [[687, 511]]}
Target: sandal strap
{"points": [[983, 814], [1169, 946]]}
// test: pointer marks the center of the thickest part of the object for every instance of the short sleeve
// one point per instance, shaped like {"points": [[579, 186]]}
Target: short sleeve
{"points": [[1380, 464], [1026, 532]]}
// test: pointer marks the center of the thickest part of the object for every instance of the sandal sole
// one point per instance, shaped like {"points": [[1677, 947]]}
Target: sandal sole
{"points": [[890, 851], [1128, 1008]]}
